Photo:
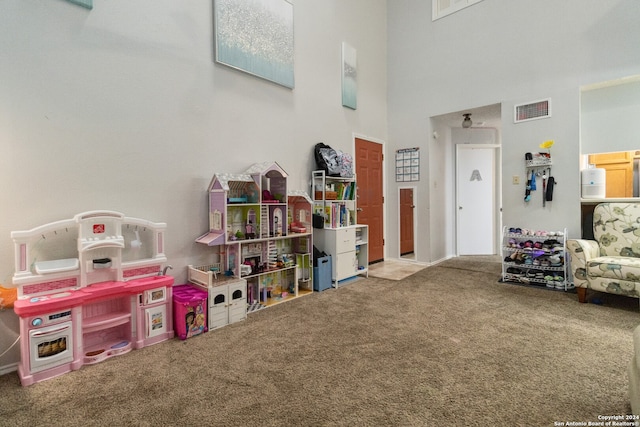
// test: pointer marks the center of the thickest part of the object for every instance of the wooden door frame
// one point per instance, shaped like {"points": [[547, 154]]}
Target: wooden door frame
{"points": [[414, 191], [384, 179]]}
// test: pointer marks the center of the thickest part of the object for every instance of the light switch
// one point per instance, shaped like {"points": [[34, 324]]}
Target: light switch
{"points": [[516, 179]]}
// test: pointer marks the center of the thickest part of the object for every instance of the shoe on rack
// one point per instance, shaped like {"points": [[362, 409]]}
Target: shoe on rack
{"points": [[514, 272], [554, 259]]}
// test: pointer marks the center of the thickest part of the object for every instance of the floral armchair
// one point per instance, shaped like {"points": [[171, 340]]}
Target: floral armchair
{"points": [[611, 262]]}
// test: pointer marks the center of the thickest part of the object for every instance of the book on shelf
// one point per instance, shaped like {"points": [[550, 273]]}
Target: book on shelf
{"points": [[338, 215], [348, 192], [327, 216], [343, 190]]}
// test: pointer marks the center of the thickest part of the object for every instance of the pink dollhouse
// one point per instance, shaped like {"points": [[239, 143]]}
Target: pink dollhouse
{"points": [[89, 288], [252, 203], [260, 234]]}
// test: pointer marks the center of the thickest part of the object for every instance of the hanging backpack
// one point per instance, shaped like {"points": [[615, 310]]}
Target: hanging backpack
{"points": [[327, 159], [550, 184], [345, 162]]}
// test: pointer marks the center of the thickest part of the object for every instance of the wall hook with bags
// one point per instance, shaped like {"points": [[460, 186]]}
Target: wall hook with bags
{"points": [[538, 165], [549, 193]]}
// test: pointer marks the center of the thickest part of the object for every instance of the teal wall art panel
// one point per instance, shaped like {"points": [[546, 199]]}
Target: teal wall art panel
{"points": [[349, 77], [256, 36]]}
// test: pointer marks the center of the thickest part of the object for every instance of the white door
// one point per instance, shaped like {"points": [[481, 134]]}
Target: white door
{"points": [[476, 199]]}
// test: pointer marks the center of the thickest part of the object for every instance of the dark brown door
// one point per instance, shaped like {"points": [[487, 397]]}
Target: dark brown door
{"points": [[406, 221], [370, 200]]}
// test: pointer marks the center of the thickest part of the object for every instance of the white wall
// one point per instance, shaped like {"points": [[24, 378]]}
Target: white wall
{"points": [[507, 52], [123, 108], [608, 117]]}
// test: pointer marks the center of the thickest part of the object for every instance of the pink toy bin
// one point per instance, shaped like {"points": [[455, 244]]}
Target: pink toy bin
{"points": [[189, 311]]}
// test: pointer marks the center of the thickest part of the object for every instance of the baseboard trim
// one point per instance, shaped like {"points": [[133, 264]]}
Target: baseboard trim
{"points": [[8, 368]]}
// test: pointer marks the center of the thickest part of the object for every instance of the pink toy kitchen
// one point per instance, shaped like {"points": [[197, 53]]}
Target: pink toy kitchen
{"points": [[89, 288]]}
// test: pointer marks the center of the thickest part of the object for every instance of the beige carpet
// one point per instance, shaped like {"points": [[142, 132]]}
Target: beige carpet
{"points": [[449, 345]]}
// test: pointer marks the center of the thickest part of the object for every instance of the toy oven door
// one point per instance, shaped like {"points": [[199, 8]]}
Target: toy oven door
{"points": [[156, 321], [50, 346]]}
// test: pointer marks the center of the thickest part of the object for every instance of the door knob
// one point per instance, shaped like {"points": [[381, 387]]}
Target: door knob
{"points": [[459, 208]]}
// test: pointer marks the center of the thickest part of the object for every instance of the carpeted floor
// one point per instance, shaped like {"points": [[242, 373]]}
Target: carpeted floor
{"points": [[449, 345]]}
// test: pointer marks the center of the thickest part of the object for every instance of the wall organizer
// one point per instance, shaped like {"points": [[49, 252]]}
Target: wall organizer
{"points": [[408, 164]]}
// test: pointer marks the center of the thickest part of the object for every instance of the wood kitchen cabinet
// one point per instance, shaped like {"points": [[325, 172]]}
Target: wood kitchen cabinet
{"points": [[619, 172]]}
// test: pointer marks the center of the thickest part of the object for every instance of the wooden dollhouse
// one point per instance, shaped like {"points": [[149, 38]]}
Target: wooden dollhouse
{"points": [[261, 233]]}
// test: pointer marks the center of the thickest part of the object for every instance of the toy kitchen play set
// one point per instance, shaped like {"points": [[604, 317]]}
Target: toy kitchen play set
{"points": [[89, 288]]}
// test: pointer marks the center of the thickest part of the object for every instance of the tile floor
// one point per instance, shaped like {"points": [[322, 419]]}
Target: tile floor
{"points": [[394, 269]]}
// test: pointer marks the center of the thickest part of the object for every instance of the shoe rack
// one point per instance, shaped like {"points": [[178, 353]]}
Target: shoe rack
{"points": [[535, 257]]}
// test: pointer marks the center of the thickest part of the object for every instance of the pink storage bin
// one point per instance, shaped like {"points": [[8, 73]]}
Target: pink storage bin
{"points": [[189, 311]]}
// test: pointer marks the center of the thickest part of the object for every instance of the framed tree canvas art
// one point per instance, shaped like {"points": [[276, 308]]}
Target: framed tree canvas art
{"points": [[256, 36], [84, 3]]}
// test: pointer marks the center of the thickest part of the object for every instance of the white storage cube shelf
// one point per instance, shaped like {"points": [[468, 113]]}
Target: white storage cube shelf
{"points": [[227, 299]]}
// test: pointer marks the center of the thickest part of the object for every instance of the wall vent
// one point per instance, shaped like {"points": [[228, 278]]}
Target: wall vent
{"points": [[532, 111]]}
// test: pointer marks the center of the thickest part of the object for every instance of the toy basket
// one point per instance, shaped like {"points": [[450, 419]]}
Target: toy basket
{"points": [[328, 195], [189, 311]]}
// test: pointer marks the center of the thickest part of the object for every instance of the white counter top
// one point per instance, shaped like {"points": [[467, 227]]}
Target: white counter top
{"points": [[611, 200]]}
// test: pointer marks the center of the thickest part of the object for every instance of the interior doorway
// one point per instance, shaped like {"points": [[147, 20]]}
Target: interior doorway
{"points": [[407, 205], [447, 132], [370, 203]]}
